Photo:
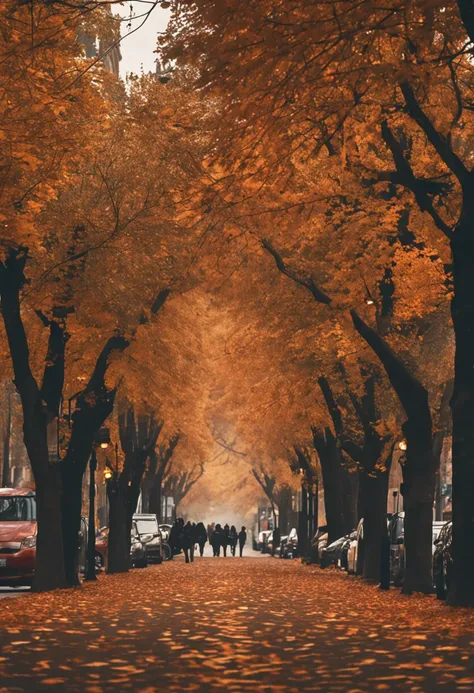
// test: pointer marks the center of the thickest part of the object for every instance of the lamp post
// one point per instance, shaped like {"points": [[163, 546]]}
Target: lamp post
{"points": [[102, 441]]}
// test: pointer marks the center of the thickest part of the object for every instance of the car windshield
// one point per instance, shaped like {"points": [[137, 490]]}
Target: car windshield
{"points": [[147, 526], [17, 509]]}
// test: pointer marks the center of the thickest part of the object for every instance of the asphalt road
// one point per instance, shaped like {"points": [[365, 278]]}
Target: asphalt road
{"points": [[251, 624]]}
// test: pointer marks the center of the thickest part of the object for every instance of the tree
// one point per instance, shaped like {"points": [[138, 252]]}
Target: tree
{"points": [[138, 436], [158, 467], [178, 484]]}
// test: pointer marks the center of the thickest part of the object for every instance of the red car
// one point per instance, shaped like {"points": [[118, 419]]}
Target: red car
{"points": [[18, 530], [17, 536]]}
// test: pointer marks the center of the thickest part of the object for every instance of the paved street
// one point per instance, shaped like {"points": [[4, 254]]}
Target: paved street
{"points": [[236, 625]]}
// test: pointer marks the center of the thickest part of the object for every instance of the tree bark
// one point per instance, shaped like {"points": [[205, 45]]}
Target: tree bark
{"points": [[118, 558], [6, 444], [461, 588]]}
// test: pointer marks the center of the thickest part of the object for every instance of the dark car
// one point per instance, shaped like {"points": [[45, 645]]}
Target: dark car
{"points": [[443, 560]]}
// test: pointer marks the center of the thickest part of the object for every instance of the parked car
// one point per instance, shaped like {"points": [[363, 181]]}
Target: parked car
{"points": [[165, 530], [353, 550], [396, 529], [336, 553], [150, 535], [290, 548], [18, 530], [138, 554], [443, 560], [278, 549], [314, 548]]}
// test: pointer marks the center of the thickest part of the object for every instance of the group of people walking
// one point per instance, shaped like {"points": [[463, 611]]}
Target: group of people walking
{"points": [[186, 536], [226, 537]]}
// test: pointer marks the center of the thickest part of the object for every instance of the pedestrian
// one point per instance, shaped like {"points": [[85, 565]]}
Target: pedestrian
{"points": [[225, 539], [188, 540], [242, 540], [174, 538], [210, 532], [216, 540], [233, 538], [201, 536]]}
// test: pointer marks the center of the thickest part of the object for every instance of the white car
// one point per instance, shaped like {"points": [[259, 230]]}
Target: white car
{"points": [[353, 548]]}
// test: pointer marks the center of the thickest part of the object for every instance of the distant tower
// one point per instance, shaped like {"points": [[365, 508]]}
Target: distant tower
{"points": [[163, 71], [97, 45]]}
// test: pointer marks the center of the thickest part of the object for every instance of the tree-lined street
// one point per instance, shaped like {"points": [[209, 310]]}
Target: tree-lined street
{"points": [[237, 307], [256, 624]]}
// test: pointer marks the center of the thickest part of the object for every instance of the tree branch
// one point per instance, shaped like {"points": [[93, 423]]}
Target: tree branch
{"points": [[308, 284], [439, 142]]}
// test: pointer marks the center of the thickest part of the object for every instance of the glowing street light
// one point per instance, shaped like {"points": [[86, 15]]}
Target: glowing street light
{"points": [[402, 445]]}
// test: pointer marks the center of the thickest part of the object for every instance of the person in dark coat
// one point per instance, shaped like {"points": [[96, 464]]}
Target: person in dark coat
{"points": [[233, 538], [216, 539], [201, 536], [210, 532], [174, 539], [188, 540], [242, 540], [225, 539]]}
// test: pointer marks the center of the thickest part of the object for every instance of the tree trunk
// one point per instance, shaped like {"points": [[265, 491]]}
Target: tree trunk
{"points": [[418, 494], [118, 559], [6, 448], [86, 423], [71, 506], [146, 492], [284, 502], [156, 496], [373, 490], [303, 523], [461, 588], [419, 470], [49, 570], [330, 460], [349, 489]]}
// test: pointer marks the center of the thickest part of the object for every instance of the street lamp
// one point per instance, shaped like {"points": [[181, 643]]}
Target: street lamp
{"points": [[102, 440], [402, 445]]}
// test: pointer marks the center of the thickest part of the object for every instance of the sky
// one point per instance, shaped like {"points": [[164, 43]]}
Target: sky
{"points": [[137, 48]]}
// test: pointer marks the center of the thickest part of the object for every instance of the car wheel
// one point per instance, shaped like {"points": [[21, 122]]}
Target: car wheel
{"points": [[143, 563], [167, 553]]}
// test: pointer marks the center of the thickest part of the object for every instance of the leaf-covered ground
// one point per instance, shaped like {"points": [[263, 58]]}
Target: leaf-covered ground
{"points": [[263, 625]]}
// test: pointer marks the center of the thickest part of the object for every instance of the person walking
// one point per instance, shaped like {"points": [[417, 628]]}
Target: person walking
{"points": [[174, 539], [188, 540], [216, 540], [225, 539], [210, 531], [242, 540], [233, 538], [201, 536]]}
